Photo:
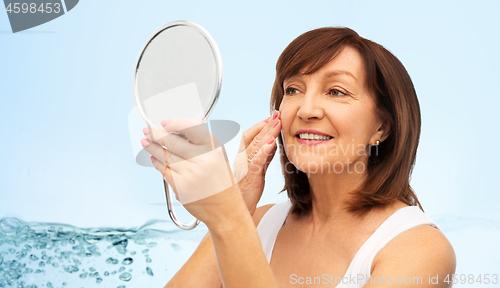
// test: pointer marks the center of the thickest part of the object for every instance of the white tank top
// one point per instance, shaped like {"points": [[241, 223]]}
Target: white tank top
{"points": [[402, 220]]}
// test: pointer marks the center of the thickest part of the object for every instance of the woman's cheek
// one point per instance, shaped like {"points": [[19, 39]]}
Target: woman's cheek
{"points": [[285, 125]]}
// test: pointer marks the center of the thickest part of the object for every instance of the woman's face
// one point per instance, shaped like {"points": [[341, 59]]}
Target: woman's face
{"points": [[329, 119]]}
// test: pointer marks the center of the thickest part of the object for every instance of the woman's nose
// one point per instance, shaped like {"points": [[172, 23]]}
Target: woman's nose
{"points": [[310, 108]]}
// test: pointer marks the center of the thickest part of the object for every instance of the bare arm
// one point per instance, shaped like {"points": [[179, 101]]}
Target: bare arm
{"points": [[240, 258], [201, 268]]}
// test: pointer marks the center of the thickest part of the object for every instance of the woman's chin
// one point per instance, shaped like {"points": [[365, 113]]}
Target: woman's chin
{"points": [[311, 164], [315, 164]]}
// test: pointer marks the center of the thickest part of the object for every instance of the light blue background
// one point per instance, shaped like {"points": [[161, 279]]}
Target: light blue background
{"points": [[66, 91]]}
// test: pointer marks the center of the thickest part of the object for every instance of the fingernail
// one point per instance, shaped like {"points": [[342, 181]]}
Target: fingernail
{"points": [[153, 159], [145, 131], [275, 114], [267, 120], [276, 122], [271, 140], [163, 122], [145, 142]]}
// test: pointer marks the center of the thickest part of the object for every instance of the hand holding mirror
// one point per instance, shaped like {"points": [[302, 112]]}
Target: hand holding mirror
{"points": [[178, 74]]}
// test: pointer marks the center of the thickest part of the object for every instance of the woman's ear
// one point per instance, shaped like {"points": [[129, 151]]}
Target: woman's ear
{"points": [[383, 131]]}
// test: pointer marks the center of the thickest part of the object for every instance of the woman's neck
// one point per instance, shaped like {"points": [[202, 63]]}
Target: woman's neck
{"points": [[330, 193]]}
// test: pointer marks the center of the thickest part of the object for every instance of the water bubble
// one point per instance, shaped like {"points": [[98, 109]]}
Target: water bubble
{"points": [[152, 244], [127, 261], [98, 280], [148, 260], [92, 269], [49, 285], [12, 276], [55, 265], [91, 239], [70, 269], [93, 275], [113, 272], [12, 250], [121, 246], [94, 250], [149, 271], [84, 275], [121, 286], [66, 254], [123, 242], [140, 242], [112, 261], [12, 264], [27, 271], [145, 251], [106, 273], [132, 253], [175, 246], [40, 245], [9, 224], [32, 257], [121, 249], [125, 276], [121, 269], [41, 264], [20, 254]]}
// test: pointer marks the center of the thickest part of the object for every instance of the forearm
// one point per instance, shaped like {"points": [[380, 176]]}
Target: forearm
{"points": [[200, 270], [239, 254]]}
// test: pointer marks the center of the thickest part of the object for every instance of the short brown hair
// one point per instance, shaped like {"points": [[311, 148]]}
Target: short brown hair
{"points": [[388, 174]]}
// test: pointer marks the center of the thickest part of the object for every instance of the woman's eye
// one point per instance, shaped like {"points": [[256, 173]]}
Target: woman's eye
{"points": [[335, 92], [291, 91]]}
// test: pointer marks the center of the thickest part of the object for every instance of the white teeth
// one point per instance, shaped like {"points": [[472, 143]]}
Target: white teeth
{"points": [[310, 136]]}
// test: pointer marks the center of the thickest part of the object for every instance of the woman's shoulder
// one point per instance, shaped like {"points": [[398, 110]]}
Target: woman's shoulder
{"points": [[420, 239], [259, 213], [419, 251]]}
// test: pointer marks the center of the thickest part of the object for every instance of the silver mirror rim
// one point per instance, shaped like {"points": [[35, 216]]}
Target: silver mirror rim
{"points": [[216, 53]]}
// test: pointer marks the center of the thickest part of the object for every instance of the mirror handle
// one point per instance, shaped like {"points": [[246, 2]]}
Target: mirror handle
{"points": [[171, 212]]}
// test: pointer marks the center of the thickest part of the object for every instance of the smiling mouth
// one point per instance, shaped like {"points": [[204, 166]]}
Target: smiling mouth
{"points": [[311, 136]]}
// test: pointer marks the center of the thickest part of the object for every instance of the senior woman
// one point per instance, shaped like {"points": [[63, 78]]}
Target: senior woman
{"points": [[348, 123]]}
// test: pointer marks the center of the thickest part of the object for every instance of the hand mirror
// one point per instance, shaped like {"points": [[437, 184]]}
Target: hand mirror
{"points": [[178, 74]]}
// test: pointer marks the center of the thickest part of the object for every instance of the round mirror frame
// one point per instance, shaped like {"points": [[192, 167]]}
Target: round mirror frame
{"points": [[216, 93]]}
